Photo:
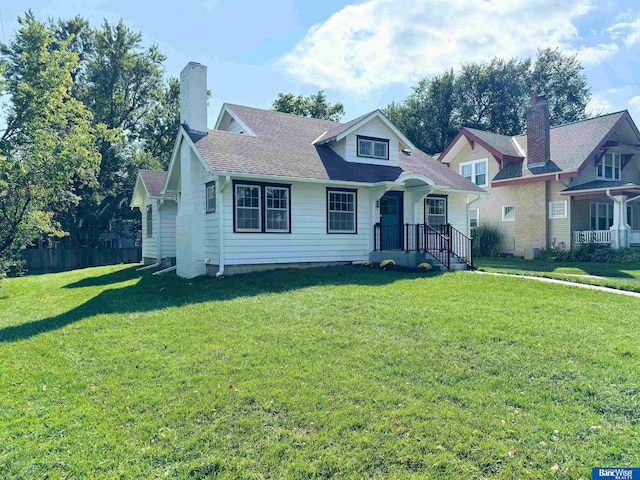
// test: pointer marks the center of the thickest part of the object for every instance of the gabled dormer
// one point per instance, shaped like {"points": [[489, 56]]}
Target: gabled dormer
{"points": [[371, 139], [229, 121]]}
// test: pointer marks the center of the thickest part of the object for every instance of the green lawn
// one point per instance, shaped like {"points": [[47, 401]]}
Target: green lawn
{"points": [[336, 372], [622, 276]]}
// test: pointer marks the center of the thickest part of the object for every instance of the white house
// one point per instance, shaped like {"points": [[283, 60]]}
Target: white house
{"points": [[265, 189]]}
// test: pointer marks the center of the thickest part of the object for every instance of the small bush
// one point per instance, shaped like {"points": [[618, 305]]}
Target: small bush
{"points": [[386, 264], [367, 263], [425, 267], [487, 241]]}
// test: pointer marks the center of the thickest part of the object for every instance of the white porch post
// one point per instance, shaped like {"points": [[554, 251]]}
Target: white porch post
{"points": [[416, 196], [620, 228]]}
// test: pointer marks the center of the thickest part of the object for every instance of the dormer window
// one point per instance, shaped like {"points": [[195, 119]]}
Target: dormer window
{"points": [[371, 147], [609, 167]]}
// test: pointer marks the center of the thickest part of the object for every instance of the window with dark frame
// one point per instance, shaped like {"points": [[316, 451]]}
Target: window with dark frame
{"points": [[609, 167], [210, 188], [371, 147], [262, 208], [149, 221], [341, 211]]}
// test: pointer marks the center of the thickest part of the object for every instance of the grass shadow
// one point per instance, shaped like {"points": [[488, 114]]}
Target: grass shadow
{"points": [[157, 292]]}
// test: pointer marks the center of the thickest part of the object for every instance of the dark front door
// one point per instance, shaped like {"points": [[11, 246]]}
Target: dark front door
{"points": [[391, 215]]}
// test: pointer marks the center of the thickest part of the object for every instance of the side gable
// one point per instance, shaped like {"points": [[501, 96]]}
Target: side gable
{"points": [[229, 121], [172, 183]]}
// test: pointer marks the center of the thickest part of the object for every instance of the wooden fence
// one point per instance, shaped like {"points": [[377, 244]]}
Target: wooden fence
{"points": [[62, 259]]}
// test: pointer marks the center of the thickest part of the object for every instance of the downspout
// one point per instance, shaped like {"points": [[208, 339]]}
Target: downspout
{"points": [[223, 185]]}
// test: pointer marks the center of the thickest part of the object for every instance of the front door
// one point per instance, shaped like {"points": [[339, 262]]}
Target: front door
{"points": [[391, 214]]}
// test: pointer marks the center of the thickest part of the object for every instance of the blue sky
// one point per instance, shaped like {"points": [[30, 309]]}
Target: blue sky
{"points": [[370, 52]]}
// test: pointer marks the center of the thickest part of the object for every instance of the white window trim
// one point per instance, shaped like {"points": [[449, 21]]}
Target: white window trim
{"points": [[477, 210], [207, 186], [616, 166], [354, 212], [609, 206], [149, 231], [267, 209], [373, 142], [259, 208], [512, 218], [473, 164], [558, 202]]}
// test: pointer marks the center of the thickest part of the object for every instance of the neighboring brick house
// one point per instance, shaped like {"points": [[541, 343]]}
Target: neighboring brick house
{"points": [[555, 187]]}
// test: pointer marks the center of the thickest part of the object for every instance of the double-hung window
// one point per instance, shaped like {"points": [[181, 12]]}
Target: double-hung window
{"points": [[149, 221], [435, 210], [474, 217], [601, 215], [210, 188], [277, 209], [373, 147], [475, 171], [609, 167], [262, 208], [508, 213], [341, 211]]}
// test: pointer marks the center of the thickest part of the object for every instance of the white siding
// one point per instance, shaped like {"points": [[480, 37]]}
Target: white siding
{"points": [[308, 240], [375, 128], [149, 244], [559, 229], [228, 124], [340, 147], [168, 212]]}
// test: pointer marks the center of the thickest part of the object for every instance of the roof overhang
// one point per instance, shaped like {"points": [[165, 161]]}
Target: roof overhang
{"points": [[465, 137], [414, 180], [630, 189], [534, 178]]}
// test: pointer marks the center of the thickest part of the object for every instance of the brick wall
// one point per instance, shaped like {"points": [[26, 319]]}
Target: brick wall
{"points": [[538, 146], [531, 217]]}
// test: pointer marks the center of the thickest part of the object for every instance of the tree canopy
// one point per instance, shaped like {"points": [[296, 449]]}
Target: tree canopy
{"points": [[314, 106], [491, 96]]}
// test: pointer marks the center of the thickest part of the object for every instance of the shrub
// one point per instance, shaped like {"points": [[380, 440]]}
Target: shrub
{"points": [[591, 252], [385, 264], [425, 267], [487, 241], [367, 263]]}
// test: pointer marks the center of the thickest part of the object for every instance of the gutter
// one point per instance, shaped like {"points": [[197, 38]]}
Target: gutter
{"points": [[170, 269]]}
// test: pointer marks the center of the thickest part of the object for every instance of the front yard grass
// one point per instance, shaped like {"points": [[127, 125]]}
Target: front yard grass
{"points": [[621, 276], [344, 372]]}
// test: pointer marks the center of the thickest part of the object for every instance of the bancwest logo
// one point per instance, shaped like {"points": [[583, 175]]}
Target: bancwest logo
{"points": [[615, 473]]}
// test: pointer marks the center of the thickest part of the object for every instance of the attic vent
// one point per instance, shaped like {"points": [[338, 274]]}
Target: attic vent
{"points": [[406, 151]]}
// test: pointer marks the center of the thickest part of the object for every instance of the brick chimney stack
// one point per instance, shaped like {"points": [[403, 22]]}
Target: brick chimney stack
{"points": [[538, 134], [193, 97]]}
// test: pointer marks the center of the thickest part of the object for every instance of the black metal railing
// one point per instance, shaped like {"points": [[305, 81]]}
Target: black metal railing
{"points": [[441, 241]]}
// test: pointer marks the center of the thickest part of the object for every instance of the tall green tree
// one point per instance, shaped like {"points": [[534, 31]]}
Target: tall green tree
{"points": [[314, 106], [491, 96], [49, 144]]}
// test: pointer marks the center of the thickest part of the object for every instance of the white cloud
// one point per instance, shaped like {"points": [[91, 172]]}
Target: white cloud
{"points": [[599, 104], [381, 42], [595, 55], [616, 91], [634, 103], [628, 31]]}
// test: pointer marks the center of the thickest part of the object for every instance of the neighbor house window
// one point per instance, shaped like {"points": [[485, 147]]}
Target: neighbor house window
{"points": [[601, 215], [508, 213], [435, 209], [373, 147], [211, 196], [149, 221], [474, 218], [341, 211], [609, 167], [262, 208], [475, 171], [558, 209]]}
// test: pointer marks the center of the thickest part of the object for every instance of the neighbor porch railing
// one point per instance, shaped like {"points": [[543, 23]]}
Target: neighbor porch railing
{"points": [[441, 242], [592, 236]]}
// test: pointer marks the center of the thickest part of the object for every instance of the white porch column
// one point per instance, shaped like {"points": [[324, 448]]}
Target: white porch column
{"points": [[416, 196], [620, 228]]}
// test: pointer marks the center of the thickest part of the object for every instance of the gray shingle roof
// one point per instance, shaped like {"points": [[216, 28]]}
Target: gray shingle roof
{"points": [[153, 181], [571, 144], [282, 147], [601, 184], [343, 127]]}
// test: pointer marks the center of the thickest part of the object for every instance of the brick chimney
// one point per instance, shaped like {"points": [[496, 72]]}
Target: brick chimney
{"points": [[538, 135], [193, 97]]}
